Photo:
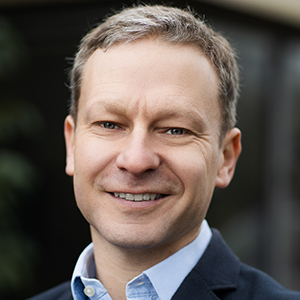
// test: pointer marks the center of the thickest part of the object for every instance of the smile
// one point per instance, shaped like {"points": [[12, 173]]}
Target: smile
{"points": [[138, 197]]}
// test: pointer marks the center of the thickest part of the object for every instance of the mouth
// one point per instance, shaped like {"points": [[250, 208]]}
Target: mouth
{"points": [[139, 197]]}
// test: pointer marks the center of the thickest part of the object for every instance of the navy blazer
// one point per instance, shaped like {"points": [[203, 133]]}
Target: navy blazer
{"points": [[218, 275]]}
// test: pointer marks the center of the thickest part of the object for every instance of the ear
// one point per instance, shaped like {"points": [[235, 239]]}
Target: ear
{"points": [[69, 139], [230, 152]]}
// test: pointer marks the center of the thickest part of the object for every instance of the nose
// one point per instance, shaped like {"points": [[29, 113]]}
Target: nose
{"points": [[137, 154]]}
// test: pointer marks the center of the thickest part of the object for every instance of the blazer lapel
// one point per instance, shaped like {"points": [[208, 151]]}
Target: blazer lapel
{"points": [[194, 288], [215, 272]]}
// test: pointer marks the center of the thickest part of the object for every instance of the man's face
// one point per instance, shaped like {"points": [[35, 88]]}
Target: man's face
{"points": [[145, 152]]}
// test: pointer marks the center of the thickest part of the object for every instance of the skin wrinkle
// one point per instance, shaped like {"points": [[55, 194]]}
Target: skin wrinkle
{"points": [[187, 116], [183, 75], [174, 27]]}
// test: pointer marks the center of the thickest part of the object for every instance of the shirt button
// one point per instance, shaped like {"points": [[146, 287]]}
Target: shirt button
{"points": [[89, 291]]}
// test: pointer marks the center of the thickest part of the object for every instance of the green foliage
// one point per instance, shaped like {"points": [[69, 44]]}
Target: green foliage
{"points": [[18, 118], [13, 53], [20, 122]]}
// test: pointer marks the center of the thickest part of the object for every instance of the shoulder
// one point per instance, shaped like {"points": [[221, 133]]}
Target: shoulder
{"points": [[262, 286], [60, 292], [220, 271]]}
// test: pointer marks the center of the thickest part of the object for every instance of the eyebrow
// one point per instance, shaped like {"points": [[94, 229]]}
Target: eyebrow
{"points": [[108, 107], [192, 118], [118, 107]]}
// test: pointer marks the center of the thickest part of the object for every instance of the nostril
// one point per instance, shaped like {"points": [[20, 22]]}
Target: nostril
{"points": [[137, 161]]}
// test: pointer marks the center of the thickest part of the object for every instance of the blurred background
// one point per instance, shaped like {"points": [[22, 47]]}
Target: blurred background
{"points": [[41, 230]]}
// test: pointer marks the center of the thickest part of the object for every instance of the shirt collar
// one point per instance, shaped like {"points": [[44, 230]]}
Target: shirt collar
{"points": [[165, 276], [168, 275], [85, 265]]}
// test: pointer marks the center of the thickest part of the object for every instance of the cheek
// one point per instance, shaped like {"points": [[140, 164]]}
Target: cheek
{"points": [[91, 156], [91, 160], [196, 167]]}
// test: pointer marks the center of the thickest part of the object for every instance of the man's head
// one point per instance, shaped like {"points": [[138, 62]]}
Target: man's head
{"points": [[144, 145], [173, 26]]}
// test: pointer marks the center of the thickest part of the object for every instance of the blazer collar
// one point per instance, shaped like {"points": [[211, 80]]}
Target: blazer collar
{"points": [[216, 271]]}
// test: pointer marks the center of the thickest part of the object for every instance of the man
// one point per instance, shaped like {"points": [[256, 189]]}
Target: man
{"points": [[149, 136]]}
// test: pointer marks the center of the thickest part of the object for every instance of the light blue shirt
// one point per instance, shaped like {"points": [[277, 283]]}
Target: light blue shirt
{"points": [[159, 282]]}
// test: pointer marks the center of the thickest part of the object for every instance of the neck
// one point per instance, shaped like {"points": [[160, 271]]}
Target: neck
{"points": [[115, 271], [116, 266]]}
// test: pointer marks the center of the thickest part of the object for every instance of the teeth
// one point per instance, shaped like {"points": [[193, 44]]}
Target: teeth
{"points": [[146, 197], [138, 197]]}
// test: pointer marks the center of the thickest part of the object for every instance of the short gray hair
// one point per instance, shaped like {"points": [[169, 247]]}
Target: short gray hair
{"points": [[172, 25]]}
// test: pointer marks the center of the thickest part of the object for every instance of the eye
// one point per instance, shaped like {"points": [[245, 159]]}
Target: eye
{"points": [[176, 131], [109, 125]]}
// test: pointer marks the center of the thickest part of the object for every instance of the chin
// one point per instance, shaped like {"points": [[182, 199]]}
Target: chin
{"points": [[137, 242], [131, 238]]}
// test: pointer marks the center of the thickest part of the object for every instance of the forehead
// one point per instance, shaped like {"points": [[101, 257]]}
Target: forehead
{"points": [[148, 73]]}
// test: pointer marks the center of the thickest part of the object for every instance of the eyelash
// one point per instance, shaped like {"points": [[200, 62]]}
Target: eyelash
{"points": [[172, 131], [109, 123]]}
